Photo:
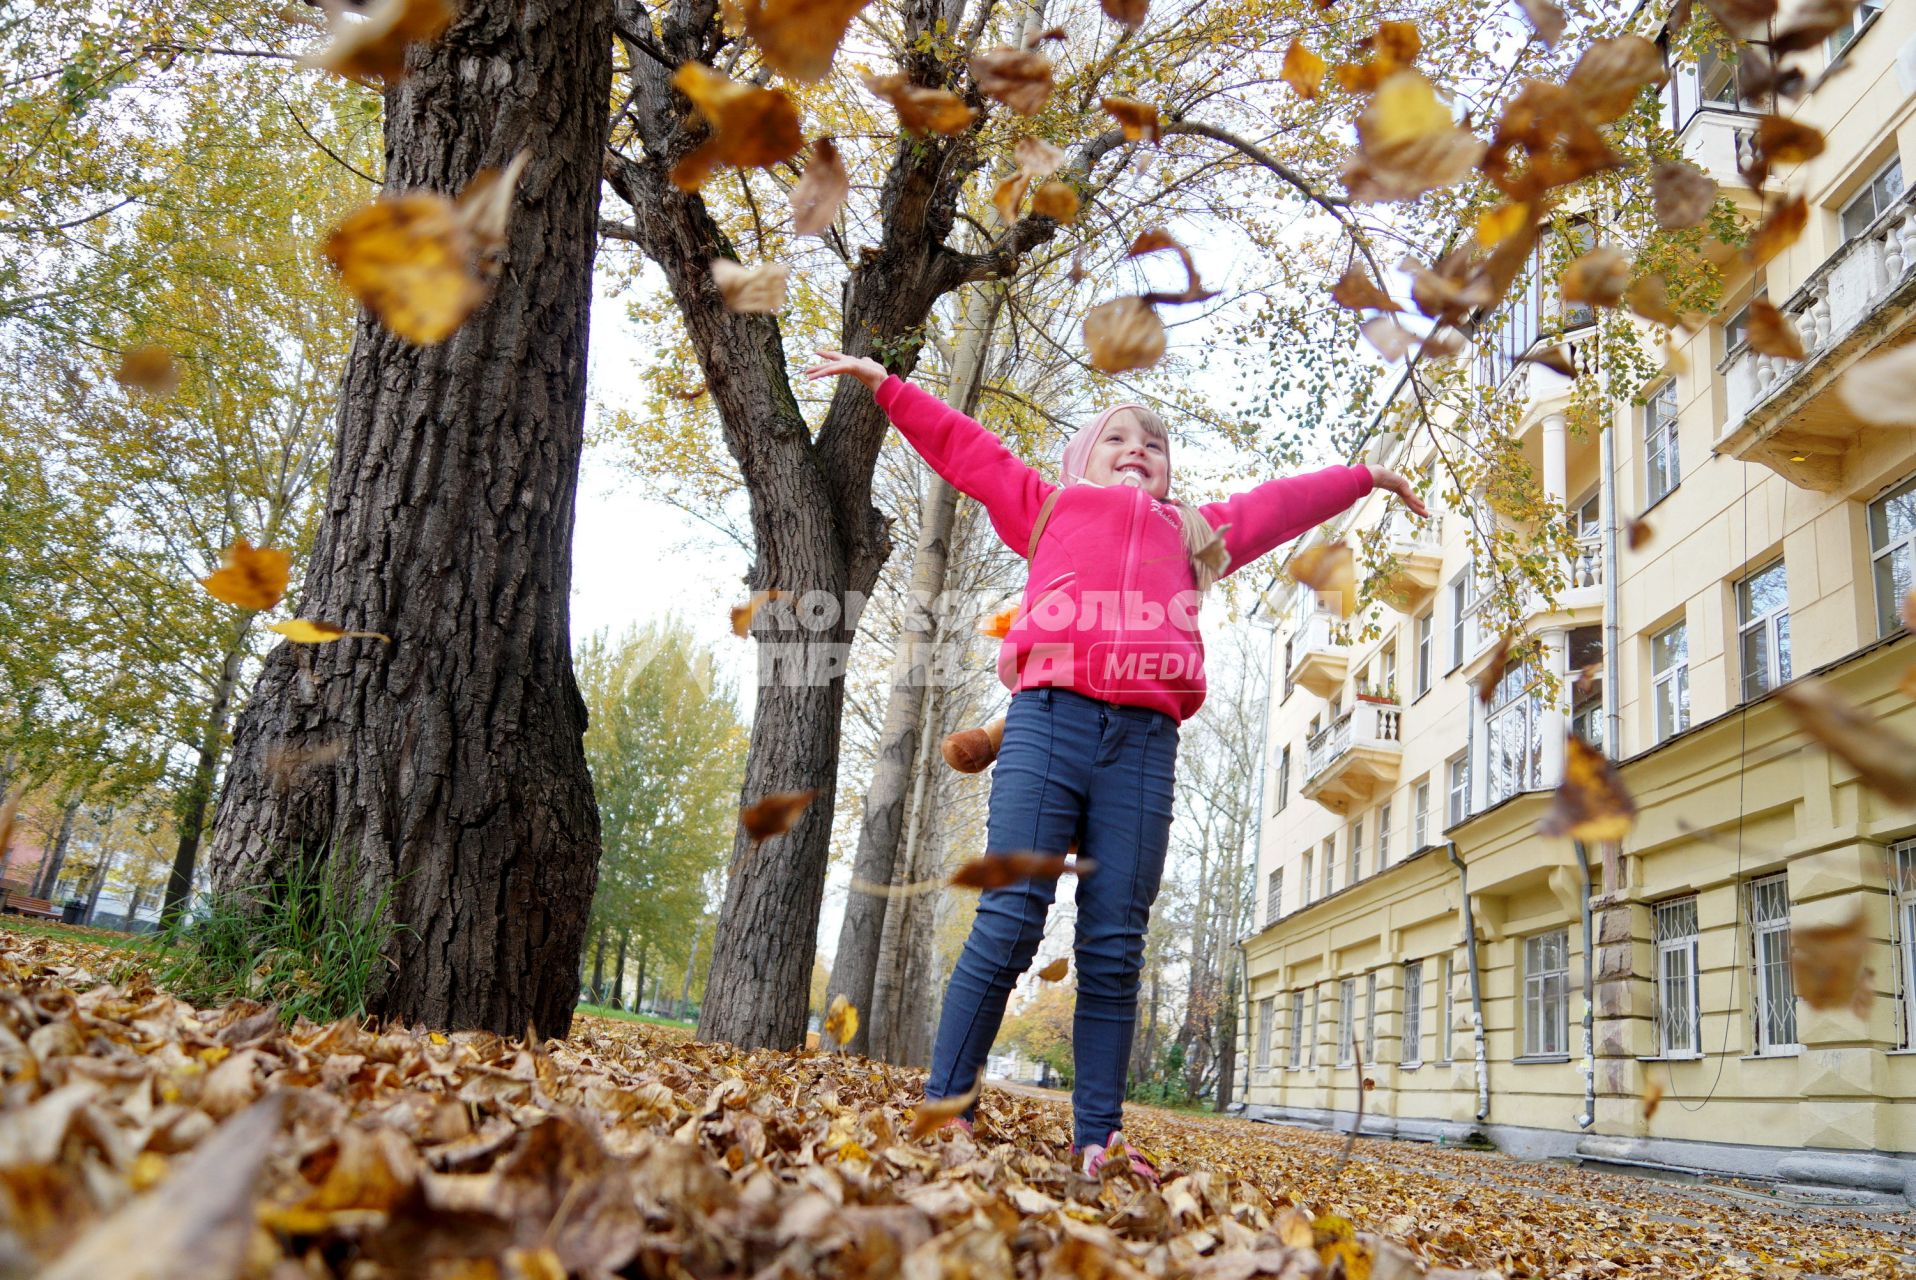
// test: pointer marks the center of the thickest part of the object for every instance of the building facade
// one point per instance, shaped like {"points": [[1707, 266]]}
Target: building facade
{"points": [[1497, 983]]}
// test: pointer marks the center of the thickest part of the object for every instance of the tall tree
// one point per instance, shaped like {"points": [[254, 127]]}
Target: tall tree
{"points": [[461, 780]]}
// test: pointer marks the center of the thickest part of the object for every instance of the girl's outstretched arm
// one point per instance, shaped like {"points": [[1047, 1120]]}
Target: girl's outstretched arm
{"points": [[1278, 510], [970, 458]]}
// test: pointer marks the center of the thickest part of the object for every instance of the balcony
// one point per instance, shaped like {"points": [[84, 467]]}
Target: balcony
{"points": [[1415, 564], [1580, 601], [1785, 414], [1319, 657], [1355, 757]]}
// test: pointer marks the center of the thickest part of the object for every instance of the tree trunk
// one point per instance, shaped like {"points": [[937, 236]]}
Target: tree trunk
{"points": [[888, 1003], [99, 884], [598, 971], [462, 784], [1227, 1041], [857, 960], [685, 987], [49, 877], [199, 789], [645, 954], [618, 973]]}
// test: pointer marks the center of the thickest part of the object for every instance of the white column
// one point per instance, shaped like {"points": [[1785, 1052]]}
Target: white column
{"points": [[1553, 726], [1556, 482]]}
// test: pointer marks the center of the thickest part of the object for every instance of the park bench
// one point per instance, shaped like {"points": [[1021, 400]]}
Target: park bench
{"points": [[19, 904]]}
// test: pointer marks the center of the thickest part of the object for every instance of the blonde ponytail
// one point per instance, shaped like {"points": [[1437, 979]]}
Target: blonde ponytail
{"points": [[1205, 547]]}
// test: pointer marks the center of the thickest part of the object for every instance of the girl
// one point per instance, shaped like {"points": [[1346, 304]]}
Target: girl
{"points": [[1105, 661]]}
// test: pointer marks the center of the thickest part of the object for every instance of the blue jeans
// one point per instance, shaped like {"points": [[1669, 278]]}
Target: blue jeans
{"points": [[1070, 768]]}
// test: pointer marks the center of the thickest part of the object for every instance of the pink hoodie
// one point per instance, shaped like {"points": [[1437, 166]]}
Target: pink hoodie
{"points": [[1110, 606]]}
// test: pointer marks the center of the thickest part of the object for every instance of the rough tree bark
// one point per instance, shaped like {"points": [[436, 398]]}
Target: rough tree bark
{"points": [[462, 779], [199, 789], [888, 1005], [866, 914]]}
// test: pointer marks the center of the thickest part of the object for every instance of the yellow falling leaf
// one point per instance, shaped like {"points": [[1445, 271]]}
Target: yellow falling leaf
{"points": [[1123, 334], [1056, 970], [1652, 1095], [742, 614], [1499, 224], [308, 631], [250, 577], [410, 260], [1591, 803], [151, 369], [1329, 569], [1302, 70], [751, 126], [370, 42], [798, 38], [841, 1020], [933, 1112], [1138, 120], [1057, 201], [775, 814], [922, 110]]}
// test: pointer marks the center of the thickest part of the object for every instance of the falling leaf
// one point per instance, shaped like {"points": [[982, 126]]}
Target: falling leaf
{"points": [[841, 1020], [1055, 971], [1907, 614], [1591, 803], [1493, 673], [1008, 195], [798, 38], [998, 625], [1881, 389], [1883, 760], [1612, 72], [1057, 201], [1546, 19], [1557, 359], [1158, 240], [1036, 158], [307, 631], [1827, 965], [1598, 277], [758, 290], [369, 43], [1812, 22], [1388, 334], [820, 191], [411, 260], [932, 1113], [252, 578], [1138, 120], [1786, 141], [1329, 569], [751, 127], [996, 870], [1128, 13], [775, 814], [1123, 334], [485, 206], [1744, 18], [1019, 78], [1357, 291], [1302, 70], [1393, 47], [1771, 333], [1682, 194], [1587, 676], [1637, 534], [1407, 143], [922, 110], [151, 369], [1649, 296], [286, 761], [1781, 227], [1502, 222], [742, 614], [1652, 1095]]}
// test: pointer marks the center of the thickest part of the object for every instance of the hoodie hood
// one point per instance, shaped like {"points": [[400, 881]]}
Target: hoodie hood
{"points": [[1077, 450]]}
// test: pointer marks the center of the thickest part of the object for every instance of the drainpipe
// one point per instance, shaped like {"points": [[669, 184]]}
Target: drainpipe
{"points": [[1476, 985], [1607, 488], [1589, 1067]]}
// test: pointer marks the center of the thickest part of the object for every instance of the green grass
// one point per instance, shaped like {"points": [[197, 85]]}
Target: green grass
{"points": [[71, 933], [626, 1015]]}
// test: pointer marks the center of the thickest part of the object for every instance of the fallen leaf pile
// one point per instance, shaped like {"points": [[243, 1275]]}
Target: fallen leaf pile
{"points": [[142, 1136]]}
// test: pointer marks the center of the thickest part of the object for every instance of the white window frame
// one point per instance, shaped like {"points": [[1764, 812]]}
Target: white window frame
{"points": [[1662, 459], [1383, 835], [1346, 1020], [1370, 1017], [1426, 643], [1670, 685], [1274, 896], [1457, 789], [1266, 1015], [1297, 1029], [1357, 851], [1876, 194], [1517, 705], [1463, 604], [1769, 630], [1846, 35], [1412, 1044], [1772, 988], [1317, 1012], [1387, 668], [1902, 889], [1447, 1006], [1420, 816], [1886, 553], [1283, 780], [1304, 881], [1679, 1018], [1330, 864], [1546, 995]]}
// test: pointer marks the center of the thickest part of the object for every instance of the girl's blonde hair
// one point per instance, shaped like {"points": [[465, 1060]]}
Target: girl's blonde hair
{"points": [[1203, 545]]}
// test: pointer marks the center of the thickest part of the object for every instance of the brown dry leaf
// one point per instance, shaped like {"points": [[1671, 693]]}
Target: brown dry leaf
{"points": [[1407, 143], [151, 369], [1884, 761], [411, 260], [1612, 72], [1158, 240], [1785, 141], [1637, 534], [998, 625], [1652, 1095], [742, 614], [1587, 676], [1827, 965], [996, 870], [1357, 291], [1019, 78], [820, 190], [1329, 569], [1138, 120], [799, 38], [775, 814], [1493, 673], [841, 1020], [1056, 970], [1302, 70], [1392, 47], [250, 577], [485, 206], [1499, 224], [932, 1113], [1591, 804], [1781, 227], [1008, 195], [1598, 277], [1649, 296], [369, 44], [1557, 359], [1057, 201], [1388, 334], [1546, 19], [1036, 158], [1881, 389], [1123, 334], [758, 290], [1907, 614], [309, 631], [1129, 13], [1744, 18], [751, 127], [1771, 333], [1683, 194], [922, 110], [1811, 23]]}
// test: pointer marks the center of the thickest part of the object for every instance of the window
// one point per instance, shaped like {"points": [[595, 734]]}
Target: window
{"points": [[1463, 617], [1266, 1011], [1274, 896], [1356, 852], [1283, 781], [1420, 817], [1304, 881], [1670, 673], [1383, 836], [1860, 18], [1662, 470], [1775, 989], [1290, 682], [1330, 864], [1459, 772], [1370, 1016], [1736, 329], [1513, 734], [1678, 1033], [1297, 1029], [1346, 1021], [1317, 1012], [1546, 985], [1447, 1004], [1874, 200], [1586, 694], [1413, 1046], [1902, 885], [1763, 625], [1425, 625], [1388, 667], [1892, 549]]}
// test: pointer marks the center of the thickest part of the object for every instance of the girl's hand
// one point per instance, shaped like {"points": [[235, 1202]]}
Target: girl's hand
{"points": [[1391, 482], [831, 363]]}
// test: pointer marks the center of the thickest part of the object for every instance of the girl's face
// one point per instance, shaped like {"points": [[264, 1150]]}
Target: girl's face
{"points": [[1126, 453]]}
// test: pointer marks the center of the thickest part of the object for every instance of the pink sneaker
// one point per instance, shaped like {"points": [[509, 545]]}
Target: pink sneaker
{"points": [[1095, 1156], [959, 1122]]}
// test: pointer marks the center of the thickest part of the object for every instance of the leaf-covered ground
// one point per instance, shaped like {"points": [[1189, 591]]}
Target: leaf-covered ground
{"points": [[141, 1137]]}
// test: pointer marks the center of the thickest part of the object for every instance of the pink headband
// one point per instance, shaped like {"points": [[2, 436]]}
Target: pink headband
{"points": [[1077, 450]]}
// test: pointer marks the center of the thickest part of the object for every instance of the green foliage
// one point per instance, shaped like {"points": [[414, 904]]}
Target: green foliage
{"points": [[1163, 1083], [1041, 1029]]}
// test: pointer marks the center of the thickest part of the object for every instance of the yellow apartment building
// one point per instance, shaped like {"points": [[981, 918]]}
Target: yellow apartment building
{"points": [[1496, 984]]}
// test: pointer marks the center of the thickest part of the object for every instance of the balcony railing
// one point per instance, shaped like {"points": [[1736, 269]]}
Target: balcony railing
{"points": [[1354, 756], [1319, 656], [1586, 563]]}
